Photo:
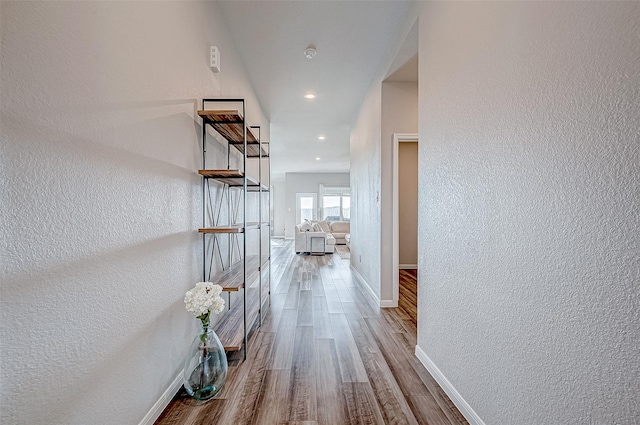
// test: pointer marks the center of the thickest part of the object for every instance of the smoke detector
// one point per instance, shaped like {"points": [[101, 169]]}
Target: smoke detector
{"points": [[310, 52]]}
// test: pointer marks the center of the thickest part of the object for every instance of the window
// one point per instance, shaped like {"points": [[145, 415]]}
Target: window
{"points": [[336, 204], [306, 206]]}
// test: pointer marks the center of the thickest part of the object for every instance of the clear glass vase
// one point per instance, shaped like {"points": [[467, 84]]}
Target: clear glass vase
{"points": [[205, 370]]}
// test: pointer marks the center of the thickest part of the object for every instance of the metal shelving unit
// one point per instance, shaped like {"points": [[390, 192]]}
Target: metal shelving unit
{"points": [[245, 274]]}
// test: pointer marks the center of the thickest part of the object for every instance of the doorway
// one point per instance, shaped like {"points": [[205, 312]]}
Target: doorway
{"points": [[405, 220], [306, 206]]}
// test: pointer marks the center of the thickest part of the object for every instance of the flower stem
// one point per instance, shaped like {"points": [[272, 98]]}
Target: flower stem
{"points": [[204, 318]]}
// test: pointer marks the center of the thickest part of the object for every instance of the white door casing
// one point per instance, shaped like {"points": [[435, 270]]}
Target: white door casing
{"points": [[397, 139]]}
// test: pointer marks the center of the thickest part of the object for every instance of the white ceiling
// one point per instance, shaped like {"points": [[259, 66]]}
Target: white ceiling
{"points": [[350, 37]]}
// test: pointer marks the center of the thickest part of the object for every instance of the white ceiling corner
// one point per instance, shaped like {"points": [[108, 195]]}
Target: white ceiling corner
{"points": [[351, 38]]}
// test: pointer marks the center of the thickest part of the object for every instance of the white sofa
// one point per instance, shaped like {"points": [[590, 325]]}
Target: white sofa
{"points": [[336, 233], [339, 230], [304, 233]]}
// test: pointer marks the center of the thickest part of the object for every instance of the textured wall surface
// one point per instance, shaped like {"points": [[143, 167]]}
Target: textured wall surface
{"points": [[100, 201], [365, 190], [366, 163], [529, 298], [399, 115], [279, 207]]}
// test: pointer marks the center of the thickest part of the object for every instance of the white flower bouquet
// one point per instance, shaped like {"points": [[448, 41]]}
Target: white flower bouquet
{"points": [[205, 369], [203, 300]]}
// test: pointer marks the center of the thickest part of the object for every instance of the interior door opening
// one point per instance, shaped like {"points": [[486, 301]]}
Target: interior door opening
{"points": [[405, 222], [306, 206]]}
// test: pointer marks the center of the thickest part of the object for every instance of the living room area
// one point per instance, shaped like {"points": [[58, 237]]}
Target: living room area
{"points": [[314, 210]]}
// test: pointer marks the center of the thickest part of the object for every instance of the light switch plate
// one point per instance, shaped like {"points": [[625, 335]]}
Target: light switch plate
{"points": [[214, 59]]}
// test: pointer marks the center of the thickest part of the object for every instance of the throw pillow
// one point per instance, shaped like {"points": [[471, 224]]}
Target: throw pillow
{"points": [[324, 225]]}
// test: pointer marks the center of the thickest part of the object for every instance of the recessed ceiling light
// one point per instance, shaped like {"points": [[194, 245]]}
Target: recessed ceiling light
{"points": [[310, 96], [321, 137], [317, 158]]}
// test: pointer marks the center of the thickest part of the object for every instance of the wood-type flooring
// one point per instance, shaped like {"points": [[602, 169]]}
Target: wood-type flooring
{"points": [[408, 296], [325, 354]]}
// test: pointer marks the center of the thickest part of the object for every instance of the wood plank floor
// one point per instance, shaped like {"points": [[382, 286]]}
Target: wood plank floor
{"points": [[324, 355], [408, 294]]}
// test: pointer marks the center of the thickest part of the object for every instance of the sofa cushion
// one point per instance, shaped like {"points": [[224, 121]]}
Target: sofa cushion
{"points": [[317, 228], [340, 227], [324, 225], [339, 235], [305, 226]]}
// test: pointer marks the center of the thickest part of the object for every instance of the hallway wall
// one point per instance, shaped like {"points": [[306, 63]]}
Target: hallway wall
{"points": [[100, 201], [278, 194], [399, 115], [529, 126], [368, 151]]}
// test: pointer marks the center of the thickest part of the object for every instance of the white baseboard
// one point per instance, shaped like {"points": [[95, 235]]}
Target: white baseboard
{"points": [[407, 266], [163, 401], [289, 238], [388, 303], [444, 383], [277, 237], [366, 286]]}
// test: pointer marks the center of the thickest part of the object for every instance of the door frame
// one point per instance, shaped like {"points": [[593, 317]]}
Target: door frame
{"points": [[313, 195], [397, 139]]}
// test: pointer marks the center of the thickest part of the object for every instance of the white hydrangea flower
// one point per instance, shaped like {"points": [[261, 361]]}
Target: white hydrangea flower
{"points": [[204, 298]]}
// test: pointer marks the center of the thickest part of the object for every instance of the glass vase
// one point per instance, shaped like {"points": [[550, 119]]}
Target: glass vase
{"points": [[205, 369]]}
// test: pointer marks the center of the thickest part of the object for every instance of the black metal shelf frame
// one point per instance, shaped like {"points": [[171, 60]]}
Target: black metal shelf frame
{"points": [[234, 213]]}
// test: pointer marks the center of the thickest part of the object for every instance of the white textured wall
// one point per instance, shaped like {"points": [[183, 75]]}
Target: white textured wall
{"points": [[307, 183], [530, 131], [100, 201], [279, 207], [399, 115], [365, 190], [368, 151]]}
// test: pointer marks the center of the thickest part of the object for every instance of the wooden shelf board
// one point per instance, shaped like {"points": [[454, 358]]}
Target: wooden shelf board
{"points": [[256, 188], [229, 124], [253, 149], [265, 264], [232, 279], [235, 228], [230, 328], [232, 178]]}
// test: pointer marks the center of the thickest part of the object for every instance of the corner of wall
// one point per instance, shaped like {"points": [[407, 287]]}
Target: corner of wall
{"points": [[156, 410], [454, 395]]}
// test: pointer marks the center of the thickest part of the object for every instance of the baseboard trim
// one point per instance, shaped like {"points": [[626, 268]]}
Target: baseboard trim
{"points": [[163, 401], [388, 303], [364, 283], [448, 388], [408, 266]]}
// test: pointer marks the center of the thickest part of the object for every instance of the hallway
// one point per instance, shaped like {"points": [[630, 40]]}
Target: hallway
{"points": [[324, 355]]}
